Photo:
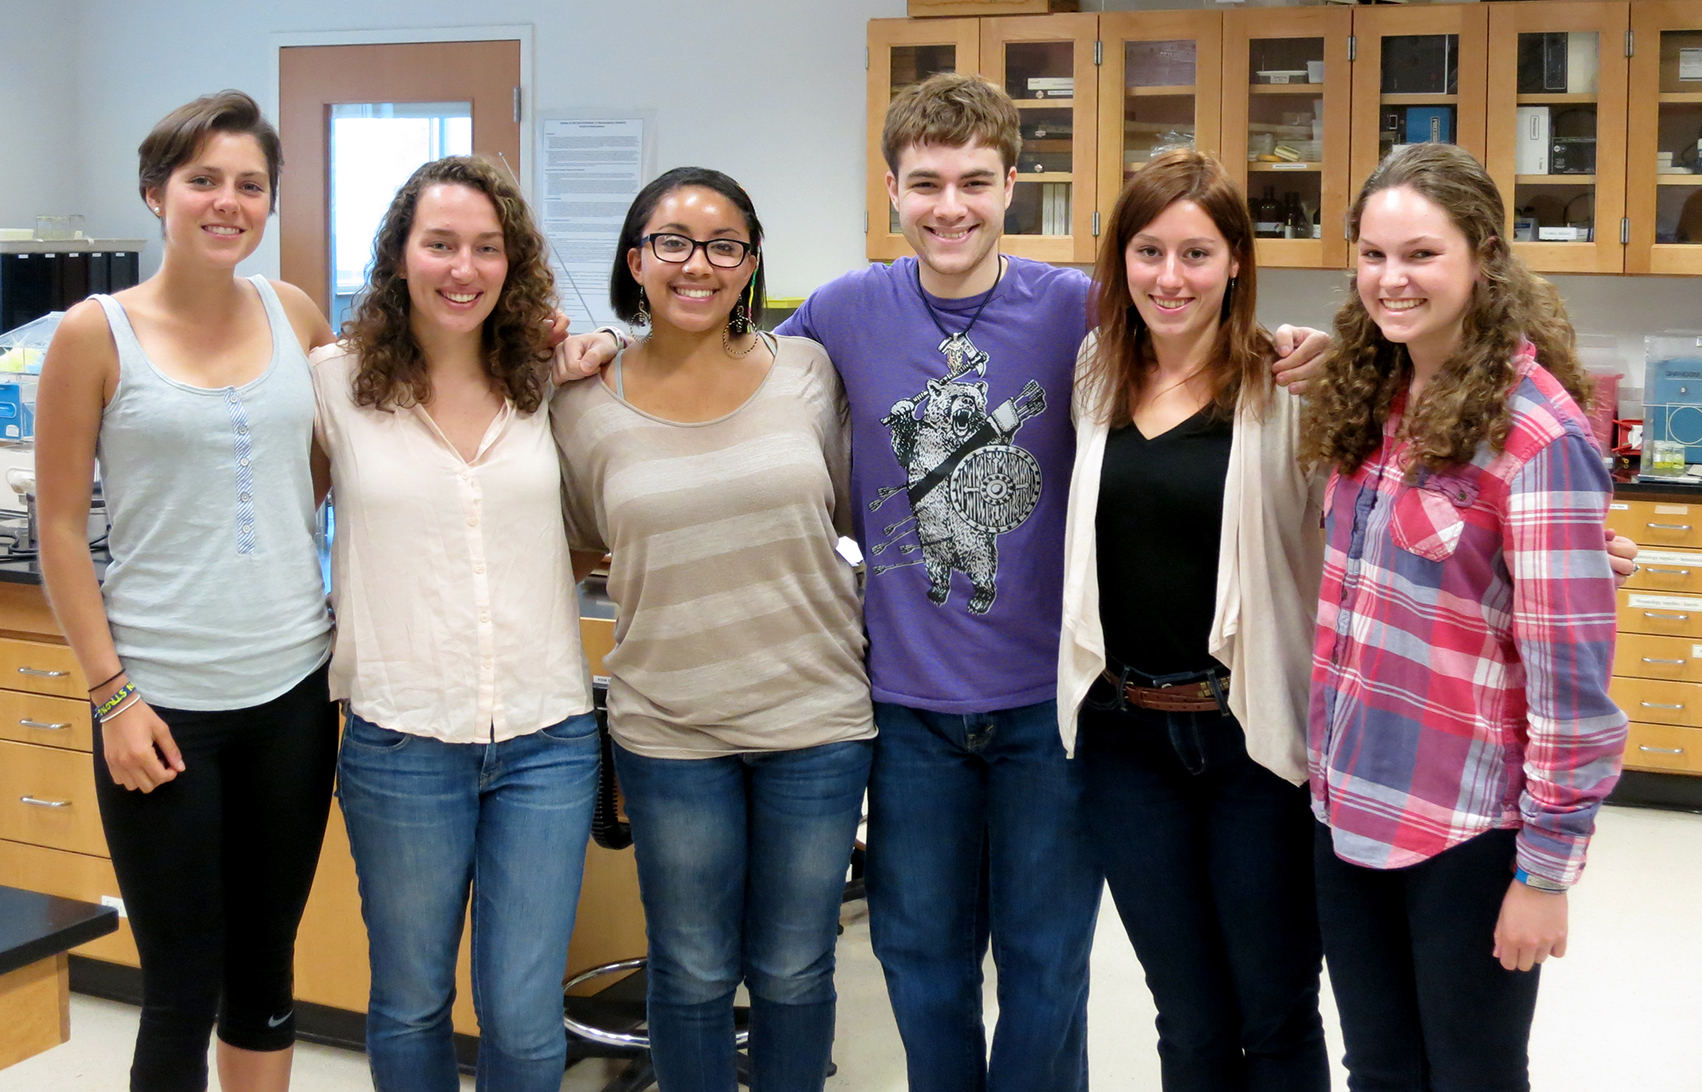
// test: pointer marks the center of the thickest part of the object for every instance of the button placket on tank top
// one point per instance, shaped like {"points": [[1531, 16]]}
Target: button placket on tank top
{"points": [[242, 447]]}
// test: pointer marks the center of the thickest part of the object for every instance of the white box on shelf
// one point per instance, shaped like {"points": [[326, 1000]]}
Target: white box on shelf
{"points": [[1531, 144]]}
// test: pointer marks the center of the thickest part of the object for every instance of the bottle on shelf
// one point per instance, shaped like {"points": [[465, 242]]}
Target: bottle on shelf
{"points": [[1295, 225], [1317, 225], [1267, 216]]}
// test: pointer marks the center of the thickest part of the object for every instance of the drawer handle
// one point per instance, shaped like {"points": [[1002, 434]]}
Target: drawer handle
{"points": [[28, 723], [40, 674], [1658, 705], [40, 803], [1669, 572], [1670, 526], [1666, 614], [1660, 750], [1654, 660]]}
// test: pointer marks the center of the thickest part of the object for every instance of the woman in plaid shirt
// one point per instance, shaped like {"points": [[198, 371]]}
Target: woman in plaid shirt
{"points": [[1461, 735]]}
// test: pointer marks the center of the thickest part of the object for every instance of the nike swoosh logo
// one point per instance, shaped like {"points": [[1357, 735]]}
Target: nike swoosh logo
{"points": [[277, 1021]]}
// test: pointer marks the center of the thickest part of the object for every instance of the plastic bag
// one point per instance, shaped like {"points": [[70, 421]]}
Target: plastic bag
{"points": [[22, 349]]}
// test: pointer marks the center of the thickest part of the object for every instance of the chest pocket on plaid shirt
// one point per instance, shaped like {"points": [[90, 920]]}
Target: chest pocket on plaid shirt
{"points": [[1430, 516]]}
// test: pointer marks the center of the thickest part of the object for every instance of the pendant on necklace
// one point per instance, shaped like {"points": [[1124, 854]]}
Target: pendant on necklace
{"points": [[957, 348]]}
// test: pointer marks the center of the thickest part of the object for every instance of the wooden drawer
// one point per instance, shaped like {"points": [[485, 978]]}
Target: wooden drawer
{"points": [[1664, 747], [1657, 700], [51, 722], [1640, 656], [70, 876], [1660, 613], [41, 668], [64, 782], [1654, 524], [1676, 571]]}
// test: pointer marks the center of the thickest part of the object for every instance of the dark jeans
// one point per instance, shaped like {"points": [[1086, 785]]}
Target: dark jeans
{"points": [[1209, 859], [215, 866], [1425, 1006], [741, 866], [975, 831]]}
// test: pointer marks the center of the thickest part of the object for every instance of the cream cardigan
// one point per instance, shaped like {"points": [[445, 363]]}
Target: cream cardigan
{"points": [[1270, 559]]}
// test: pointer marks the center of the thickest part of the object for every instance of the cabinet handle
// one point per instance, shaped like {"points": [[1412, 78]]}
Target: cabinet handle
{"points": [[40, 674], [1658, 705], [40, 803], [28, 723], [1666, 614], [1669, 572], [1654, 660], [1660, 750], [1670, 526]]}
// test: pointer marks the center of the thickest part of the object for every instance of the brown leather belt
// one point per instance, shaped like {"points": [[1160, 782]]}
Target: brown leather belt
{"points": [[1194, 697]]}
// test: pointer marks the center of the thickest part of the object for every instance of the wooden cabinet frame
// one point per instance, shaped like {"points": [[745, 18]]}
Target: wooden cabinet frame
{"points": [[1333, 25], [1608, 20], [964, 35], [1205, 29], [1082, 30], [1642, 138], [1370, 27]]}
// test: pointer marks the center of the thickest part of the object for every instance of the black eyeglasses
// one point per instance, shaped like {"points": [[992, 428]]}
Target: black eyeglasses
{"points": [[725, 253]]}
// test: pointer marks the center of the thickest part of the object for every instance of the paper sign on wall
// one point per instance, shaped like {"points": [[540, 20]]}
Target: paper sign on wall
{"points": [[589, 170]]}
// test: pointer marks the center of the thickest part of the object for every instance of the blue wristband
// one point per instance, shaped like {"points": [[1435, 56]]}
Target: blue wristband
{"points": [[1538, 883]]}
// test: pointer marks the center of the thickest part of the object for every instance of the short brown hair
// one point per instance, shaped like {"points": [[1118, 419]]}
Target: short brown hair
{"points": [[954, 110], [1118, 371], [392, 371], [180, 134]]}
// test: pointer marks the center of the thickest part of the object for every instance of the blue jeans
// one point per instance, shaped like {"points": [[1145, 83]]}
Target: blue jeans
{"points": [[427, 822], [741, 866], [1209, 857], [975, 832]]}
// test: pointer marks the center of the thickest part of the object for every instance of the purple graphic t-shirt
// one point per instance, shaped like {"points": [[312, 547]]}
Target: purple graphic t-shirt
{"points": [[961, 448]]}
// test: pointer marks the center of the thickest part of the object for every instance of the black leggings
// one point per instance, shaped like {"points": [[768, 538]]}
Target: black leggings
{"points": [[1425, 1005], [215, 867]]}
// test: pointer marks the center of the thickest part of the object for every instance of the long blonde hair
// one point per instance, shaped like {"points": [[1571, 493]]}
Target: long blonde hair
{"points": [[1118, 370], [1466, 403]]}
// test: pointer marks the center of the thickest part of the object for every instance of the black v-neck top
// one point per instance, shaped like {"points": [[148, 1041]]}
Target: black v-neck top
{"points": [[1159, 521]]}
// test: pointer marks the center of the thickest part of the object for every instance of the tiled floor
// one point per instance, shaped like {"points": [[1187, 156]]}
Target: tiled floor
{"points": [[1623, 1011]]}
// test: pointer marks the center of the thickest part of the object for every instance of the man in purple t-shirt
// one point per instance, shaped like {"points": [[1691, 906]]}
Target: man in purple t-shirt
{"points": [[958, 366]]}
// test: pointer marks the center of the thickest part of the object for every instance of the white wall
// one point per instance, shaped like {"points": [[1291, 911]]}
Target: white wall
{"points": [[38, 111], [784, 115]]}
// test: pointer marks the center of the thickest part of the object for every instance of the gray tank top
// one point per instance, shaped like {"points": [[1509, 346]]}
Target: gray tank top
{"points": [[214, 594]]}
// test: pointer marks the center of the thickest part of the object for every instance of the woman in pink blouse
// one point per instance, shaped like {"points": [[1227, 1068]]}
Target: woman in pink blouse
{"points": [[469, 756], [1461, 735]]}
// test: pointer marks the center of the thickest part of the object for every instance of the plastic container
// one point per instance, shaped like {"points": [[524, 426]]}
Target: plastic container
{"points": [[1672, 396]]}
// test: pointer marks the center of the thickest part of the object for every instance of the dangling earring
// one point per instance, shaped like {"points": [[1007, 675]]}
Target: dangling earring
{"points": [[1228, 298], [739, 323], [643, 316]]}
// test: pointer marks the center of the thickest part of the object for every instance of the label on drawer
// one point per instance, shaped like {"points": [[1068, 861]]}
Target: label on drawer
{"points": [[1672, 509], [1664, 602], [1618, 506], [115, 902], [1668, 557]]}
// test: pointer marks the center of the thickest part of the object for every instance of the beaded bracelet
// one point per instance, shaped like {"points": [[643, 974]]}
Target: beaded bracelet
{"points": [[115, 700]]}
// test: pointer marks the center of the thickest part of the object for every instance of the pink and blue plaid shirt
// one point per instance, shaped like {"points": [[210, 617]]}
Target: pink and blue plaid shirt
{"points": [[1465, 638]]}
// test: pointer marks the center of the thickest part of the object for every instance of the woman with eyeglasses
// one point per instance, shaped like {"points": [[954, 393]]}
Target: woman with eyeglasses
{"points": [[713, 463]]}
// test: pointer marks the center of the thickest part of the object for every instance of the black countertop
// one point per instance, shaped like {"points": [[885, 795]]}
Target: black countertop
{"points": [[1659, 487], [34, 926]]}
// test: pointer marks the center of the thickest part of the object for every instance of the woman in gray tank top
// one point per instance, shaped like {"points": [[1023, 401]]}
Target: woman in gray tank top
{"points": [[208, 636]]}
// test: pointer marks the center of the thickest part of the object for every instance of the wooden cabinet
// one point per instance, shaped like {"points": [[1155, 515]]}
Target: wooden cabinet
{"points": [[51, 839], [1657, 663], [1663, 168], [1046, 64], [1286, 83], [1159, 88], [1587, 113], [1556, 130]]}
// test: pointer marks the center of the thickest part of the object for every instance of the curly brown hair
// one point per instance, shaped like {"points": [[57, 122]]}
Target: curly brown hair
{"points": [[1121, 364], [392, 371], [1466, 403]]}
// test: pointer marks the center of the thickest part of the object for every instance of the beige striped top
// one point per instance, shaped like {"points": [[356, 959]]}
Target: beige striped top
{"points": [[738, 626]]}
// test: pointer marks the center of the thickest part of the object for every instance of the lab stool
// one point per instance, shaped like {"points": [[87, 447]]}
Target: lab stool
{"points": [[610, 1024]]}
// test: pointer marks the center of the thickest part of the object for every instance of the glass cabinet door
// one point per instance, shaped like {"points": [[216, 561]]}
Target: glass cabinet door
{"points": [[1286, 90], [1664, 138], [1556, 109], [904, 52], [1045, 63], [1418, 76], [1159, 88]]}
